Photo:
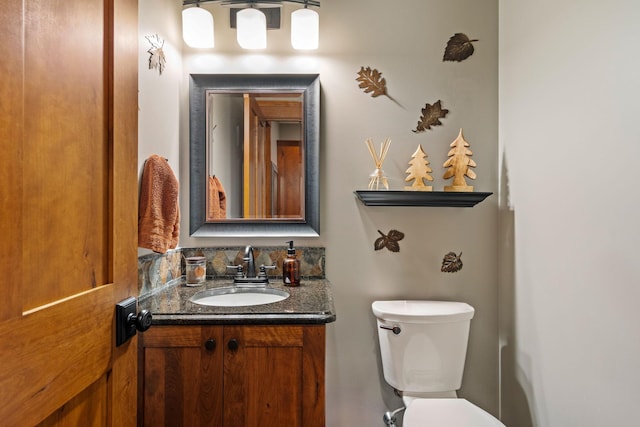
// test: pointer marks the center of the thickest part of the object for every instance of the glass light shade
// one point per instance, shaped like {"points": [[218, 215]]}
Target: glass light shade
{"points": [[197, 27], [305, 25], [251, 27]]}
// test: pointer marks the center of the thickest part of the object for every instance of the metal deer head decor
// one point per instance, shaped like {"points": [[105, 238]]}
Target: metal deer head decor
{"points": [[157, 59]]}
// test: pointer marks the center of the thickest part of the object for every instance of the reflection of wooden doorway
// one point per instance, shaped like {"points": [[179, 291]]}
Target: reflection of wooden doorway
{"points": [[273, 177], [290, 179], [257, 162]]}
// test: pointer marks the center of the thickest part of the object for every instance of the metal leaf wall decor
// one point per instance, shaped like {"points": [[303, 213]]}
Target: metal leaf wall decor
{"points": [[371, 81], [459, 48], [451, 263], [389, 241], [431, 115]]}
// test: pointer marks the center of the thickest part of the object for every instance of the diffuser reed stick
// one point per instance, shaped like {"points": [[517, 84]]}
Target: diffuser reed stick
{"points": [[378, 175]]}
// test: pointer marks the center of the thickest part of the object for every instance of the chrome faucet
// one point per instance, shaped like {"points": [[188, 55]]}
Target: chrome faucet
{"points": [[250, 272], [246, 275]]}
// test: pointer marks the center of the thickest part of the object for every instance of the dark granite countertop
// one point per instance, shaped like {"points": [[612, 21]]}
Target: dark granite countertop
{"points": [[310, 303]]}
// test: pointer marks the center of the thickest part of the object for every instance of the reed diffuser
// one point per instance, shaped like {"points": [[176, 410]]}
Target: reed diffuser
{"points": [[378, 176]]}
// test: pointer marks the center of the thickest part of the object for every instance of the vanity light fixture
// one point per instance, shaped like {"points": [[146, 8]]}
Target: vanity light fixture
{"points": [[305, 29], [251, 28], [197, 27], [251, 23]]}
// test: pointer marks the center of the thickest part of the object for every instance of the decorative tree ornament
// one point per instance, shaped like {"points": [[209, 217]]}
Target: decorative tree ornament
{"points": [[419, 171], [431, 115], [459, 48], [451, 263], [157, 59], [459, 164], [389, 241], [378, 175]]}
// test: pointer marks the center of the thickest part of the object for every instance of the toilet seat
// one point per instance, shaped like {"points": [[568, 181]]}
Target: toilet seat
{"points": [[447, 413]]}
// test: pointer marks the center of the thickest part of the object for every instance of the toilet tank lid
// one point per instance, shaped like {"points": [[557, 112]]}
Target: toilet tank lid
{"points": [[416, 311]]}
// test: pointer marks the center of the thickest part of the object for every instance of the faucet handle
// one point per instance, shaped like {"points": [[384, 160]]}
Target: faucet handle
{"points": [[264, 268], [238, 269]]}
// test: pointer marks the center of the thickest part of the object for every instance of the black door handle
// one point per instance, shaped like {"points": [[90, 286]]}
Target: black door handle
{"points": [[142, 321], [128, 321]]}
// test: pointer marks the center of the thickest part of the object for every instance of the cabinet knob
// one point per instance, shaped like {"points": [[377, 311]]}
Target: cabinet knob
{"points": [[210, 344], [233, 344]]}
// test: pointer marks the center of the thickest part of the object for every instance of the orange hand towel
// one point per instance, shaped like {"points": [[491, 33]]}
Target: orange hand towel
{"points": [[159, 212], [217, 206]]}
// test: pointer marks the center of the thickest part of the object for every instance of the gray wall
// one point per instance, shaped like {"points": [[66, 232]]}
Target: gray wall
{"points": [[405, 42], [569, 289]]}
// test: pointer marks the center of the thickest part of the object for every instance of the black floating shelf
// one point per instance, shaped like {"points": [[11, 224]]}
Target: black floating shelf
{"points": [[421, 198]]}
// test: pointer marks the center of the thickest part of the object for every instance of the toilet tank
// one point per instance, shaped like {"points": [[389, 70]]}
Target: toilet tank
{"points": [[427, 350]]}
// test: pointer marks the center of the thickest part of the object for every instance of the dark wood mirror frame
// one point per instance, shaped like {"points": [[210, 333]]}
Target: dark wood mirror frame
{"points": [[199, 84]]}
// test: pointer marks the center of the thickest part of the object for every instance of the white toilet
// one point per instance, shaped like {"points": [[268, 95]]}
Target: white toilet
{"points": [[423, 345]]}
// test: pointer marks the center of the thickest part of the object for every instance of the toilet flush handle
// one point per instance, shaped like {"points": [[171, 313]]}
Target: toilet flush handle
{"points": [[396, 329]]}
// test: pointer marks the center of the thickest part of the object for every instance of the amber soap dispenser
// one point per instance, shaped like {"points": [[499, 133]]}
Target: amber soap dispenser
{"points": [[291, 267]]}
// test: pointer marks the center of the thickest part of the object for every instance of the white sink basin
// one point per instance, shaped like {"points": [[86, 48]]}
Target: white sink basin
{"points": [[238, 296]]}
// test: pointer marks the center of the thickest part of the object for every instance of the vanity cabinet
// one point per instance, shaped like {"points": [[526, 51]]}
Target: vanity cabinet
{"points": [[232, 375]]}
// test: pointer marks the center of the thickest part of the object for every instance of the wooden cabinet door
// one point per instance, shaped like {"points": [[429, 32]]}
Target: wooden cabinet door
{"points": [[253, 376], [68, 216], [274, 376], [181, 382]]}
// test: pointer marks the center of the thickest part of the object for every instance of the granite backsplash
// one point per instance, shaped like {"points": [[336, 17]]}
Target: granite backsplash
{"points": [[155, 271]]}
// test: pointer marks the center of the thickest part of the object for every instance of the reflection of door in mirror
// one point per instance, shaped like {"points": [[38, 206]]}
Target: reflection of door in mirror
{"points": [[267, 181], [290, 184]]}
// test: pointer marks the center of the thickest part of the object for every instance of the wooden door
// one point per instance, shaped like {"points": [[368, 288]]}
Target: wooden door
{"points": [[68, 221], [290, 180], [274, 376], [181, 382]]}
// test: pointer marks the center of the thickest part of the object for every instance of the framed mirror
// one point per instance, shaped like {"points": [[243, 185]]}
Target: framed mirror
{"points": [[254, 155]]}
